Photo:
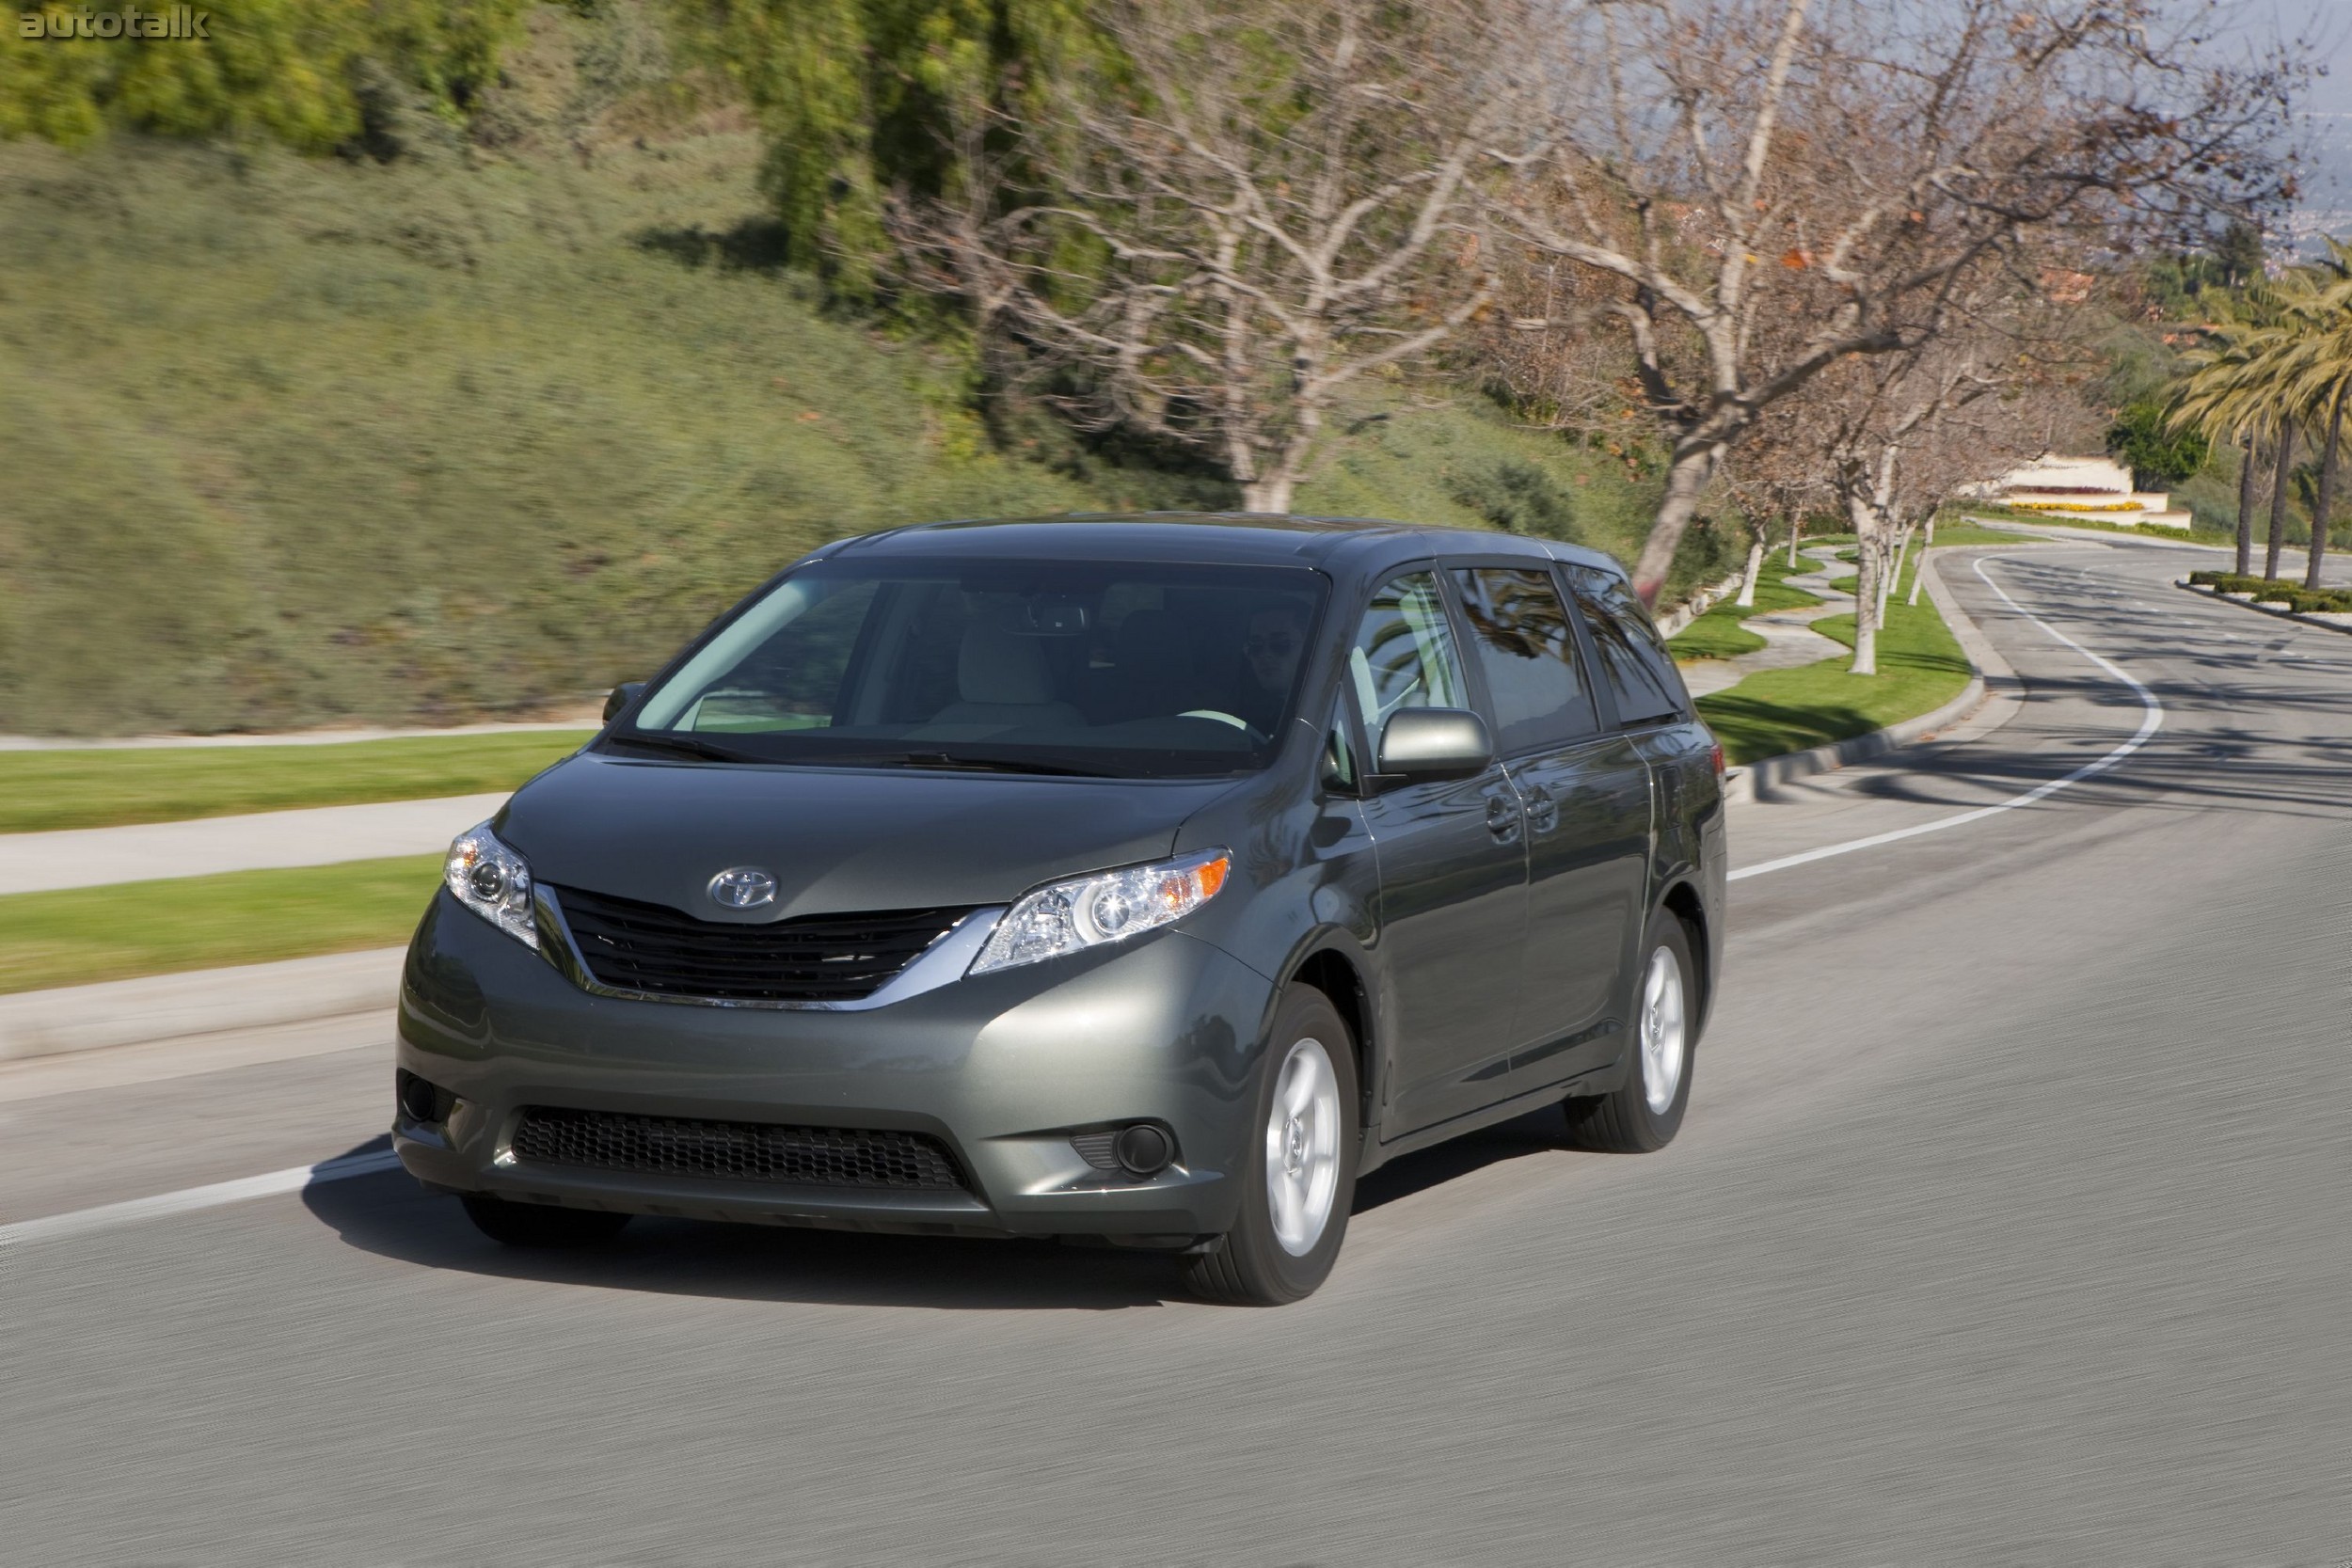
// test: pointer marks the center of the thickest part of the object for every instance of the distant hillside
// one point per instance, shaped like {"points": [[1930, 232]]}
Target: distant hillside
{"points": [[293, 440]]}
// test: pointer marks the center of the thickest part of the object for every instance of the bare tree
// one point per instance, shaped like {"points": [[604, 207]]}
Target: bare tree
{"points": [[1778, 476], [1760, 189], [1904, 430], [1240, 212]]}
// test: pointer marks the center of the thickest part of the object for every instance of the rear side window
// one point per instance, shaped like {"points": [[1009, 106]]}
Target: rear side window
{"points": [[1632, 661], [1527, 655], [1403, 655]]}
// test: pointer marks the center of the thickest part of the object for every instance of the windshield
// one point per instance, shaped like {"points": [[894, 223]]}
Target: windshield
{"points": [[1116, 667]]}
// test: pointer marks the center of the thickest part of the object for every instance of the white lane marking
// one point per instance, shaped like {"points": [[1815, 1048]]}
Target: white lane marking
{"points": [[2149, 721], [106, 1216]]}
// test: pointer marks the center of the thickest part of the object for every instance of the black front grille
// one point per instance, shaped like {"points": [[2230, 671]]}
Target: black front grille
{"points": [[816, 958], [736, 1150]]}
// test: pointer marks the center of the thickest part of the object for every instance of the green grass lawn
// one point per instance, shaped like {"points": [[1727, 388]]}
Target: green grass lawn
{"points": [[1721, 634], [105, 788], [82, 935], [1775, 711]]}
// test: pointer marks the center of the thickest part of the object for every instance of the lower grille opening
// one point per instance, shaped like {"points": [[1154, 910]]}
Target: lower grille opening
{"points": [[736, 1150]]}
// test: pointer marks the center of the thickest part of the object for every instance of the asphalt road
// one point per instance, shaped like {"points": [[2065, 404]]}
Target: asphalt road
{"points": [[2008, 1227]]}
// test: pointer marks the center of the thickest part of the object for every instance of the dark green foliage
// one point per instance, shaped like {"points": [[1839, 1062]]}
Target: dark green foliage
{"points": [[2192, 285], [863, 97], [313, 75], [2159, 455], [2300, 600], [1518, 498]]}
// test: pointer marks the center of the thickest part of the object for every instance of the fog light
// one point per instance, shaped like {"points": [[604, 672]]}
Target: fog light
{"points": [[420, 1100], [1143, 1149]]}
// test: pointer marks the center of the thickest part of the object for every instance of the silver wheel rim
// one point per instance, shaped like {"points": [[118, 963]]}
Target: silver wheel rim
{"points": [[1302, 1148], [1662, 1049]]}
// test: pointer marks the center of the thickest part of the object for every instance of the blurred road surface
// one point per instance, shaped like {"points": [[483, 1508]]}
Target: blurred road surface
{"points": [[2008, 1227]]}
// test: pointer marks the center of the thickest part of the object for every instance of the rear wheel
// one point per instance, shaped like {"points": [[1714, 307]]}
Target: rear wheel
{"points": [[1299, 1176], [538, 1224], [1644, 1113]]}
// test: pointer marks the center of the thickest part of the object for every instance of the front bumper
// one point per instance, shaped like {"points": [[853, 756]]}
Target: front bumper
{"points": [[1003, 1069]]}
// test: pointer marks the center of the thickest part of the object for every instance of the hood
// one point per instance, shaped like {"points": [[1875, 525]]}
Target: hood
{"points": [[835, 838]]}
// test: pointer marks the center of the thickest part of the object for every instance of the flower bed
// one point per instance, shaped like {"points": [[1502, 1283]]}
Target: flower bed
{"points": [[2073, 506]]}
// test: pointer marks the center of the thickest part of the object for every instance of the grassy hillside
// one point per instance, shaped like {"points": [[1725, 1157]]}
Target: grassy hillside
{"points": [[458, 433]]}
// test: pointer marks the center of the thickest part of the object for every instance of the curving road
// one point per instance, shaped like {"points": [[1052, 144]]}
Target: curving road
{"points": [[2008, 1225]]}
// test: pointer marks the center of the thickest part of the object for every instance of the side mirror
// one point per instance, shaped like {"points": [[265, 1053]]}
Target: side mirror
{"points": [[1425, 743], [620, 697]]}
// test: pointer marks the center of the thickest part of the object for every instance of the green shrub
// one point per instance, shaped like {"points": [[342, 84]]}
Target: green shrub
{"points": [[2297, 598]]}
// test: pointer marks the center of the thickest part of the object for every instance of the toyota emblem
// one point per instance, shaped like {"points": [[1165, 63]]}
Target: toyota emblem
{"points": [[746, 887]]}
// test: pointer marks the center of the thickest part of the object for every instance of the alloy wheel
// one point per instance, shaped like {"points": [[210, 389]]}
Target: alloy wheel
{"points": [[1302, 1148], [1663, 1039]]}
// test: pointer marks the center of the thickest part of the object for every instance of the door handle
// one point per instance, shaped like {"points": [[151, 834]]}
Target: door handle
{"points": [[1502, 819], [1543, 811]]}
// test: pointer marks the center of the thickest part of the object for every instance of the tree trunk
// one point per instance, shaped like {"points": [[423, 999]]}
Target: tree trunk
{"points": [[1270, 494], [1686, 480], [1796, 531], [1888, 583], [2247, 481], [1756, 564], [2327, 489], [1866, 589], [2278, 500], [1921, 570]]}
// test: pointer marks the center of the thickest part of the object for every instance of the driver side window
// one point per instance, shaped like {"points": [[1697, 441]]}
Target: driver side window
{"points": [[1404, 655]]}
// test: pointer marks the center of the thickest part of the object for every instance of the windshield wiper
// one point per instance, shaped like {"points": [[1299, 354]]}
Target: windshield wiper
{"points": [[678, 745], [970, 764]]}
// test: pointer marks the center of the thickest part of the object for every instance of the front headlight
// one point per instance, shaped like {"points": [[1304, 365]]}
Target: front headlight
{"points": [[1087, 912], [492, 880]]}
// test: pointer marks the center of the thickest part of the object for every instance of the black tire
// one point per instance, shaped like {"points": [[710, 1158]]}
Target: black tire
{"points": [[1624, 1121], [539, 1224], [1253, 1267]]}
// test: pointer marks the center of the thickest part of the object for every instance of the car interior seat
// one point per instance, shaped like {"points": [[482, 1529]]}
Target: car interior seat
{"points": [[1004, 682]]}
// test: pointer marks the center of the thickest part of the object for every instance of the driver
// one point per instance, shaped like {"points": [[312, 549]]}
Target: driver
{"points": [[1276, 637]]}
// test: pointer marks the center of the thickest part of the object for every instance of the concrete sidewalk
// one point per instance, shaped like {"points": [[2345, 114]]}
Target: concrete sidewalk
{"points": [[1789, 640], [320, 835]]}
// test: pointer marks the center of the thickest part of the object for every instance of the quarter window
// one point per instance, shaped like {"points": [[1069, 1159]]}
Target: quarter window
{"points": [[1528, 654], [1633, 661], [1403, 655]]}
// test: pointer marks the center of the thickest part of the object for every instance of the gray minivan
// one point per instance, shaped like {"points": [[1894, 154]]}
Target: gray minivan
{"points": [[1139, 881]]}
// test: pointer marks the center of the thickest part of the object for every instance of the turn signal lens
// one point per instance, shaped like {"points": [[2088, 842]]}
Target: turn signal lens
{"points": [[1089, 912]]}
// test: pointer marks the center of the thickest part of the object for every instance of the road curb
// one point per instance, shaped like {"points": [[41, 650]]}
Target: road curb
{"points": [[157, 1007], [2207, 592], [1991, 684]]}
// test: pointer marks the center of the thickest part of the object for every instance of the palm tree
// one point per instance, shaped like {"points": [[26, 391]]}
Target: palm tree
{"points": [[2235, 394], [2285, 365], [2318, 373]]}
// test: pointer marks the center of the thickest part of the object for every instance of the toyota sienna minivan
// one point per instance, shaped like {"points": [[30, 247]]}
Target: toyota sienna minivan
{"points": [[1138, 882]]}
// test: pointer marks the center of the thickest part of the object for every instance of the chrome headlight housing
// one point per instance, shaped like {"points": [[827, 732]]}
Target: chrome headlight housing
{"points": [[493, 882], [1111, 906]]}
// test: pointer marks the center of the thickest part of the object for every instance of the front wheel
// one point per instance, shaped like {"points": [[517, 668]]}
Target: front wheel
{"points": [[1644, 1113], [1299, 1176]]}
